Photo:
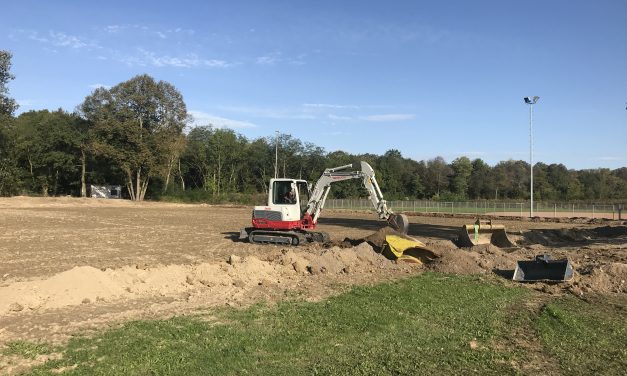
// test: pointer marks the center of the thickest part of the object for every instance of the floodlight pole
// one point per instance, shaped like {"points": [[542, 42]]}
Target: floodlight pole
{"points": [[531, 154], [531, 101], [276, 155]]}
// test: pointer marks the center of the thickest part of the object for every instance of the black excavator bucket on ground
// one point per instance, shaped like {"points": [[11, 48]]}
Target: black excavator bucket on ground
{"points": [[543, 269]]}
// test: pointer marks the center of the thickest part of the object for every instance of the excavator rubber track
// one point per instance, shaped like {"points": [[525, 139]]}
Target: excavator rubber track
{"points": [[292, 238]]}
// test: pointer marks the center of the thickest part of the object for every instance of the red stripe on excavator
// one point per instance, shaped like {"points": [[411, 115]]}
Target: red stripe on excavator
{"points": [[282, 225]]}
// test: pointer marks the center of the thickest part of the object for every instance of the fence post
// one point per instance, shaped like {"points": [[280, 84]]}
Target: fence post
{"points": [[592, 211], [554, 210]]}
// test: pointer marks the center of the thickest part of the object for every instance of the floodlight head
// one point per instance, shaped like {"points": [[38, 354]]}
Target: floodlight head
{"points": [[531, 100]]}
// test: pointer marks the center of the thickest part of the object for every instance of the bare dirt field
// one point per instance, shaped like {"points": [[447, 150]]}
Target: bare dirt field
{"points": [[74, 265]]}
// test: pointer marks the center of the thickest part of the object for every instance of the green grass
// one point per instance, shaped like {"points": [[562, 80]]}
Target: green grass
{"points": [[419, 326], [28, 350], [586, 338]]}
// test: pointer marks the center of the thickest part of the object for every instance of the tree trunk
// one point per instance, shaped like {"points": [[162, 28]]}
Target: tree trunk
{"points": [[83, 168], [32, 175], [219, 173], [56, 183], [264, 181], [170, 167], [181, 176], [143, 189], [167, 180], [129, 185], [138, 184]]}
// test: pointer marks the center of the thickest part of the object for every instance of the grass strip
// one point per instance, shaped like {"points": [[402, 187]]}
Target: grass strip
{"points": [[429, 324], [586, 337]]}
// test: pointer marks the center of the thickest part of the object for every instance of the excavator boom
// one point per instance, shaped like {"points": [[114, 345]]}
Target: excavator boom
{"points": [[362, 171]]}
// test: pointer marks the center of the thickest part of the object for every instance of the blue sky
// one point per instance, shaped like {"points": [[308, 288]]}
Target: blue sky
{"points": [[429, 78]]}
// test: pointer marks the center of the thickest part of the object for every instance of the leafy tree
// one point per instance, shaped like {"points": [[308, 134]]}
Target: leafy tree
{"points": [[542, 187], [9, 175], [437, 175], [260, 156], [10, 182], [462, 169], [481, 180], [390, 171], [137, 124], [48, 148], [7, 104]]}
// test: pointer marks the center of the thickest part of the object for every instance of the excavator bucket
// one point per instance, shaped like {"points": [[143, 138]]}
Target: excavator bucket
{"points": [[484, 232], [399, 222], [407, 250], [543, 269]]}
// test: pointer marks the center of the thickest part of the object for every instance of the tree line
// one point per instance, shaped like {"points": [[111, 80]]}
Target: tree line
{"points": [[135, 134]]}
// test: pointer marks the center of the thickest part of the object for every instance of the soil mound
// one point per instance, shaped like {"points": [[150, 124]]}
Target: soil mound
{"points": [[610, 231], [336, 260], [574, 235], [603, 278], [377, 238], [85, 284], [457, 261]]}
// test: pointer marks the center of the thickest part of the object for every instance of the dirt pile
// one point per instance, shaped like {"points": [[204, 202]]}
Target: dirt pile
{"points": [[604, 278], [377, 238], [554, 237], [478, 260], [361, 258], [85, 284]]}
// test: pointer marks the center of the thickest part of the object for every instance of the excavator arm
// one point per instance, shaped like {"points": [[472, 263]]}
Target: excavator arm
{"points": [[363, 171]]}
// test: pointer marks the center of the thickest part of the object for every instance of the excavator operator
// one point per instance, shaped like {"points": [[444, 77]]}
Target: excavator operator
{"points": [[290, 197]]}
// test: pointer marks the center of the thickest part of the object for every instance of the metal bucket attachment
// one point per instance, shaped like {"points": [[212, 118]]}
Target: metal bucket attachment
{"points": [[484, 232], [399, 222], [543, 269]]}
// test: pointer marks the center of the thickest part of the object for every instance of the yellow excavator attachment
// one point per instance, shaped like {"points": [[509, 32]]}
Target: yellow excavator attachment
{"points": [[407, 250], [484, 232]]}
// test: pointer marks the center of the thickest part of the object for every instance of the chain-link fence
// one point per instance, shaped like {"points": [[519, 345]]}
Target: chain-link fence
{"points": [[522, 209]]}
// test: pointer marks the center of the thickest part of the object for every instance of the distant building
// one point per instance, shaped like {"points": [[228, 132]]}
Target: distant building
{"points": [[105, 191]]}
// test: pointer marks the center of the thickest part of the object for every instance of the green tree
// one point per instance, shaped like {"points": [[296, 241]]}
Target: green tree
{"points": [[438, 172], [462, 169], [543, 188], [48, 146], [389, 171], [137, 125], [260, 165], [9, 172], [481, 180], [7, 104]]}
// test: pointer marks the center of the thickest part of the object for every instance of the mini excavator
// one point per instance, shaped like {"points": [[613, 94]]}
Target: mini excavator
{"points": [[293, 207]]}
